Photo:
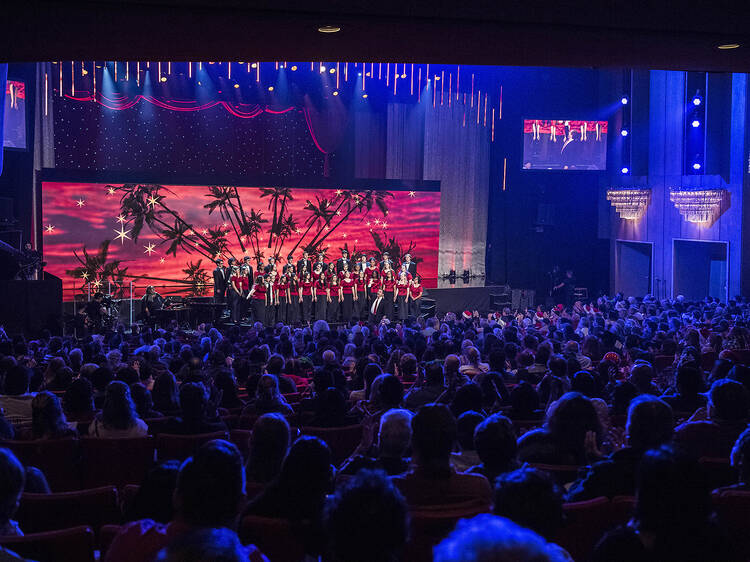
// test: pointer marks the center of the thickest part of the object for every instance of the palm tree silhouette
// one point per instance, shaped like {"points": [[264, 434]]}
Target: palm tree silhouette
{"points": [[197, 277], [94, 266], [276, 194]]}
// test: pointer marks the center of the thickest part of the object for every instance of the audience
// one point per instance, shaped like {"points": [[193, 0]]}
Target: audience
{"points": [[269, 444], [394, 438], [495, 441], [118, 417], [12, 481]]}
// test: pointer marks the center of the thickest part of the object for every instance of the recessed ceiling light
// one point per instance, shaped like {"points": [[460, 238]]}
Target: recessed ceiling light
{"points": [[329, 29], [728, 46]]}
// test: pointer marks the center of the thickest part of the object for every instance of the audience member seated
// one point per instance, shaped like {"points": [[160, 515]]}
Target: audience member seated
{"points": [[198, 415], [489, 537], [712, 431], [387, 393], [154, 497], [331, 410], [165, 394], [467, 398], [673, 517], [299, 493], [210, 491], [208, 545], [524, 403], [47, 418], [394, 438], [532, 499], [15, 401], [433, 481], [78, 401], [689, 382], [466, 456], [369, 374], [144, 402], [268, 399], [650, 424], [118, 417], [227, 385], [428, 389], [570, 435], [269, 444], [274, 366], [366, 520], [12, 481], [495, 440]]}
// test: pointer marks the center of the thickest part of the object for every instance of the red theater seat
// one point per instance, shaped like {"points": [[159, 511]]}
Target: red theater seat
{"points": [[733, 510], [180, 447], [57, 458], [241, 438], [341, 440], [563, 473], [106, 536], [585, 524], [116, 462], [67, 545], [158, 425], [622, 509], [48, 512], [278, 539]]}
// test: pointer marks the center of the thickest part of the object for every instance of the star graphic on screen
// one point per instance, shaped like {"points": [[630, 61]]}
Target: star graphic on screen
{"points": [[367, 223], [339, 192], [384, 225], [327, 228], [356, 198], [377, 221], [162, 260], [225, 225], [85, 275], [152, 201], [149, 248], [122, 234], [355, 241], [246, 252], [121, 219], [49, 228], [110, 191], [412, 194], [204, 232], [81, 202], [97, 283], [338, 213], [298, 231], [344, 235]]}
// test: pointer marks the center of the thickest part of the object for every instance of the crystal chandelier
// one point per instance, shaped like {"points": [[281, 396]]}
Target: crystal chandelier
{"points": [[700, 205], [630, 204]]}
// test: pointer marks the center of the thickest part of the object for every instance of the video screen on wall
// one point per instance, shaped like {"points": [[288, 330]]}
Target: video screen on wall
{"points": [[96, 235], [564, 145], [14, 120]]}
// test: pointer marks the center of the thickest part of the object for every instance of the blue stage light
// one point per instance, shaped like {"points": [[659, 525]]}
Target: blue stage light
{"points": [[696, 166], [697, 100], [695, 123], [625, 170], [624, 100], [624, 132]]}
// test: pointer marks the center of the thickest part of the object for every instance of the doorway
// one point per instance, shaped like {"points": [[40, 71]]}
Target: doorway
{"points": [[700, 269], [633, 267]]}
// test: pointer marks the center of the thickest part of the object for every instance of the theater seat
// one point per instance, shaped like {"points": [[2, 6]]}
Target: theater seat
{"points": [[733, 510], [158, 425], [48, 512], [241, 438], [57, 458], [719, 471], [562, 473], [431, 525], [180, 447], [116, 462], [106, 536], [278, 539], [622, 508], [341, 440], [586, 522], [67, 545]]}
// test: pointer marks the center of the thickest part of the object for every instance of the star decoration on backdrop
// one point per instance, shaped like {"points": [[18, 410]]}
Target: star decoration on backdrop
{"points": [[412, 194], [377, 221], [97, 283], [327, 228], [338, 193], [121, 219], [225, 225], [298, 231], [110, 191], [367, 223], [162, 260], [122, 234], [384, 225], [49, 228], [344, 235], [204, 232], [338, 213], [152, 201], [85, 275], [81, 202], [149, 248]]}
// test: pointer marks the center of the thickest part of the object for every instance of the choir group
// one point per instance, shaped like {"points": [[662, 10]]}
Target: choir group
{"points": [[343, 290]]}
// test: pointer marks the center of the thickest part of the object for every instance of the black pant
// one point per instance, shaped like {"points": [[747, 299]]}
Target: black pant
{"points": [[360, 307], [259, 310], [403, 308], [306, 308], [270, 315], [320, 307], [388, 305], [415, 307], [282, 311], [347, 306], [235, 305], [333, 309]]}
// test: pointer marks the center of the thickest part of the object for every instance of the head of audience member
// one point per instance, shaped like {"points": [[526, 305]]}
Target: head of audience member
{"points": [[583, 382], [407, 367], [267, 392], [389, 392], [210, 486], [118, 410], [78, 400], [275, 365], [165, 393], [557, 366], [641, 376], [468, 398], [650, 423], [488, 537], [154, 499], [689, 381], [466, 423], [740, 457], [570, 419], [144, 403], [395, 433], [524, 401], [495, 441], [434, 432], [622, 395], [450, 368], [17, 380], [269, 444], [12, 481], [727, 401], [433, 374], [531, 498], [47, 417], [368, 503]]}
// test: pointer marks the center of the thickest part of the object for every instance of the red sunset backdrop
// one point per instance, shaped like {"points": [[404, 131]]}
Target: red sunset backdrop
{"points": [[86, 214]]}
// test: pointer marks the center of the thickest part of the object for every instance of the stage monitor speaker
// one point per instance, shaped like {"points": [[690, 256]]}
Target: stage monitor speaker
{"points": [[522, 299]]}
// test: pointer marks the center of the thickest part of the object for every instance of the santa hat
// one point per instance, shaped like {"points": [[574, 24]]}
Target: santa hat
{"points": [[466, 315]]}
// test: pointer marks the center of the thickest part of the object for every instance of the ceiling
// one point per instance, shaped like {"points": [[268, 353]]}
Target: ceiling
{"points": [[607, 33]]}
